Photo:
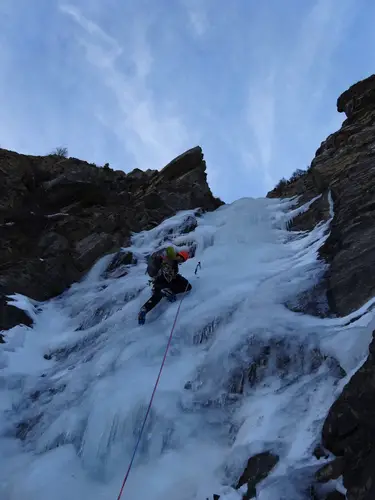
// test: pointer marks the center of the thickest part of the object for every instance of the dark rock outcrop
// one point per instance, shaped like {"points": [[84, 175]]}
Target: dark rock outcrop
{"points": [[119, 265], [335, 495], [349, 431], [332, 470], [59, 215], [258, 467], [344, 166]]}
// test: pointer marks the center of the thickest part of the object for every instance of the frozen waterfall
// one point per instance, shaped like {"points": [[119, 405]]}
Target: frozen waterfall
{"points": [[245, 374]]}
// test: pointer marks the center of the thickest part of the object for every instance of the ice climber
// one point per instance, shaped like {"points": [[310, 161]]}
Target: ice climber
{"points": [[166, 281]]}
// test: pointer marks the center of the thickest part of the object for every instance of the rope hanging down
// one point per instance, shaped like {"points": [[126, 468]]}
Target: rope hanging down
{"points": [[152, 398]]}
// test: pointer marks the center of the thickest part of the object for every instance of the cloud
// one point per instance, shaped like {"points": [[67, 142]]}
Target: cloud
{"points": [[153, 131], [93, 29], [288, 87], [135, 83], [261, 119], [320, 33], [197, 15]]}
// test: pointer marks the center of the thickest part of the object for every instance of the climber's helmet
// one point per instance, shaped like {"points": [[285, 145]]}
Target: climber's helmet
{"points": [[182, 256], [170, 252]]}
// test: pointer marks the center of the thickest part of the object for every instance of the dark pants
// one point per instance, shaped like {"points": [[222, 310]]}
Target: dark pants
{"points": [[178, 285]]}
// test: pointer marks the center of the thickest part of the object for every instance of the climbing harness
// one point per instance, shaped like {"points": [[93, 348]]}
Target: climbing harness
{"points": [[168, 273], [152, 396]]}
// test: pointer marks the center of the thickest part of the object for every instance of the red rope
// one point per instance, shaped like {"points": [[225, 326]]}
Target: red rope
{"points": [[151, 400]]}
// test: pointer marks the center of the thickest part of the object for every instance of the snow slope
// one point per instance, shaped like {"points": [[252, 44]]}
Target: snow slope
{"points": [[69, 424]]}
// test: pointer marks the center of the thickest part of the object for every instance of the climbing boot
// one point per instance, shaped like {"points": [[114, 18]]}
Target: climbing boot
{"points": [[142, 316]]}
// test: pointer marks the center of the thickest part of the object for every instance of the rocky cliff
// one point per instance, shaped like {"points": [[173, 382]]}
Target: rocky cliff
{"points": [[59, 215], [344, 166]]}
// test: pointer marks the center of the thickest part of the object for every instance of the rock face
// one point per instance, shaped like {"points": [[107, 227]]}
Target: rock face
{"points": [[344, 165], [59, 215], [349, 431], [258, 467]]}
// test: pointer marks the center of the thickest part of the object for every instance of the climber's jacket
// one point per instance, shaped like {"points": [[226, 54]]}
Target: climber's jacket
{"points": [[166, 282], [164, 265]]}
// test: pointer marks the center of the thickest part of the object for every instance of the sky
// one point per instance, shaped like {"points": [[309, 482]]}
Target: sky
{"points": [[136, 83]]}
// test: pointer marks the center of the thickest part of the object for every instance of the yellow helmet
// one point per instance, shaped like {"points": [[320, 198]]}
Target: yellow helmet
{"points": [[171, 253]]}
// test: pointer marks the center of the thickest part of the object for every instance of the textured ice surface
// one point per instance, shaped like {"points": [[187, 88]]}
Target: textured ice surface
{"points": [[244, 374]]}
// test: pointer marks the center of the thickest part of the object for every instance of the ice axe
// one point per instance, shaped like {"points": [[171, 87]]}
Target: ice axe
{"points": [[198, 267]]}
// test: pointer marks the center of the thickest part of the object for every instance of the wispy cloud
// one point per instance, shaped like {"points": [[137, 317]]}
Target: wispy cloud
{"points": [[153, 134], [197, 15], [261, 119], [112, 47], [134, 83], [321, 31], [290, 83]]}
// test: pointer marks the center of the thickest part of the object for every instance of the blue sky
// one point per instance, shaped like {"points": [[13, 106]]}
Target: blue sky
{"points": [[136, 82]]}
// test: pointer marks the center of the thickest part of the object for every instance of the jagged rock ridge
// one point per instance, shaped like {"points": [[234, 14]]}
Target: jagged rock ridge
{"points": [[344, 165], [59, 215]]}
